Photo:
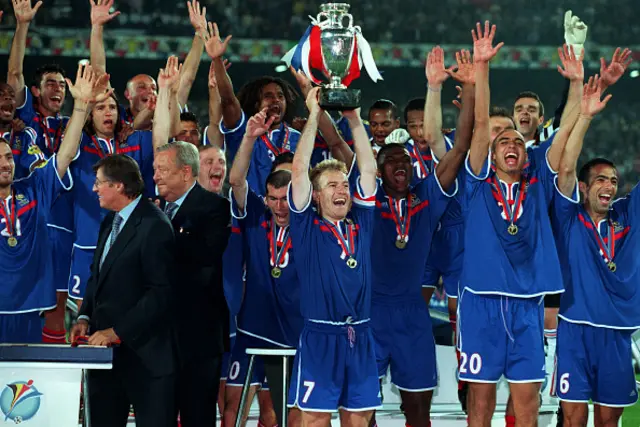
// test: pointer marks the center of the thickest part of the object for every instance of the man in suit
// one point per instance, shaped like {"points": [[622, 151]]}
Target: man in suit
{"points": [[201, 222], [128, 303]]}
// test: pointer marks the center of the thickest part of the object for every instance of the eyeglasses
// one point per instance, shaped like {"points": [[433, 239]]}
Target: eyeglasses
{"points": [[98, 183]]}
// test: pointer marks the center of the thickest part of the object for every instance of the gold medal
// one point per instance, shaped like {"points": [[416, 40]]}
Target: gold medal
{"points": [[352, 263], [276, 272], [612, 266], [401, 243], [12, 241], [512, 229]]}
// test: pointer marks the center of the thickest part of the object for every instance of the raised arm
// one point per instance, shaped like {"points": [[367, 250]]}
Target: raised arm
{"points": [[364, 154], [214, 135], [610, 74], [197, 16], [87, 91], [15, 76], [216, 47], [590, 106], [432, 123], [483, 52], [572, 70], [99, 17], [300, 183], [257, 125], [169, 76], [449, 165], [339, 148]]}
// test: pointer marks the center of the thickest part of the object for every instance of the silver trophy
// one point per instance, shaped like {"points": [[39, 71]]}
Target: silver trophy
{"points": [[337, 41]]}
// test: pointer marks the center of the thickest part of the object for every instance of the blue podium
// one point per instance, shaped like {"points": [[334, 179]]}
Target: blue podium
{"points": [[40, 384]]}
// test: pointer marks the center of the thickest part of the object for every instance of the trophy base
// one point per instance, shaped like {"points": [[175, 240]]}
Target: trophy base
{"points": [[339, 99]]}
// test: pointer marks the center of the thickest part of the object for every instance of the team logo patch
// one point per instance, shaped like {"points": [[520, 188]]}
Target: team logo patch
{"points": [[34, 150], [17, 143], [22, 199], [617, 226], [20, 401]]}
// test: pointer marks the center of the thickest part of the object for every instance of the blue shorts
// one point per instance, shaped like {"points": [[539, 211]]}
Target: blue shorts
{"points": [[21, 328], [499, 335], [594, 364], [401, 333], [335, 368], [61, 246], [239, 362], [445, 259], [81, 260]]}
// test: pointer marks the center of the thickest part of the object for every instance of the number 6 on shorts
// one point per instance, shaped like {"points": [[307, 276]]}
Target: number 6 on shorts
{"points": [[309, 385]]}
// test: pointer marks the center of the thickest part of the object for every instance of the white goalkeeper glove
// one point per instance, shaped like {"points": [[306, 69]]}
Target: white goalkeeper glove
{"points": [[575, 32], [398, 136]]}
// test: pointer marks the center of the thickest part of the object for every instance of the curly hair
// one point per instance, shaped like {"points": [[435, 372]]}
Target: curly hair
{"points": [[250, 95]]}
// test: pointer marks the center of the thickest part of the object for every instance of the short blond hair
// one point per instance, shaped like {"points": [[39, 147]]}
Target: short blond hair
{"points": [[324, 166]]}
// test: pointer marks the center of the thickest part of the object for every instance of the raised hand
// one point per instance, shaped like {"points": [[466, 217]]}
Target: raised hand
{"points": [[465, 72], [197, 16], [169, 76], [214, 45], [100, 12], [86, 85], [303, 81], [101, 89], [259, 124], [591, 103], [434, 68], [212, 81], [313, 102], [483, 49], [572, 68], [23, 10], [611, 73]]}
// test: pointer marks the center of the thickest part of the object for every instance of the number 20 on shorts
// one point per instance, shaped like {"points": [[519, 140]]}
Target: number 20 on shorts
{"points": [[474, 363]]}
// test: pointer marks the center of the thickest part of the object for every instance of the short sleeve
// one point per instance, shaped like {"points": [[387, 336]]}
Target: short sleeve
{"points": [[48, 184], [26, 112], [301, 220], [430, 191], [144, 139], [546, 176], [564, 208], [629, 204], [253, 210], [538, 154], [233, 136]]}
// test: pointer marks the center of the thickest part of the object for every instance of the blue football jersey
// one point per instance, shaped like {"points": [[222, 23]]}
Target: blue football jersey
{"points": [[265, 150], [271, 306], [26, 271], [335, 278], [87, 211], [26, 154], [595, 295], [524, 264], [398, 272]]}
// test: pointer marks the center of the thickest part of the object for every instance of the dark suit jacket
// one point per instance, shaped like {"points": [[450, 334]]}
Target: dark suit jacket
{"points": [[132, 291], [202, 227]]}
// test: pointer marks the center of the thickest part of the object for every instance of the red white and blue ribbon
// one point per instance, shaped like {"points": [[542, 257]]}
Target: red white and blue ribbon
{"points": [[307, 55]]}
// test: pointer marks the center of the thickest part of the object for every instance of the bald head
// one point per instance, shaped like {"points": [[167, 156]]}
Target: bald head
{"points": [[140, 90]]}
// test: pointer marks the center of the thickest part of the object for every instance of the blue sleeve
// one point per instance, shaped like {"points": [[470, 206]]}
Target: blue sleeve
{"points": [[547, 178], [48, 184], [233, 137], [472, 182], [538, 154], [144, 138], [253, 210], [26, 112], [431, 192], [564, 209], [629, 204], [124, 115]]}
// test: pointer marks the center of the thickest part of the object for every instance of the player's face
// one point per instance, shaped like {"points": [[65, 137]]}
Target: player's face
{"points": [[278, 205], [7, 103], [51, 92], [499, 124], [602, 188], [396, 169], [140, 90], [272, 98], [7, 165], [213, 170], [189, 133], [333, 198], [169, 178], [526, 114], [414, 127], [509, 154], [107, 191], [105, 118], [382, 123]]}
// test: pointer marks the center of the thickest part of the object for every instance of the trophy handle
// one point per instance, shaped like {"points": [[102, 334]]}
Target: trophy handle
{"points": [[348, 15], [322, 16]]}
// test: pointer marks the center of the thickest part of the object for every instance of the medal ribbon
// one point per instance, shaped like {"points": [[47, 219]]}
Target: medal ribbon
{"points": [[418, 155], [272, 147], [278, 256], [403, 223], [44, 125], [607, 253], [348, 248], [101, 153], [511, 215], [10, 217]]}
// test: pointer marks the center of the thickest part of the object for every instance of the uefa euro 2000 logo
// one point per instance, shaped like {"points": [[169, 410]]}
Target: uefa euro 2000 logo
{"points": [[20, 401]]}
